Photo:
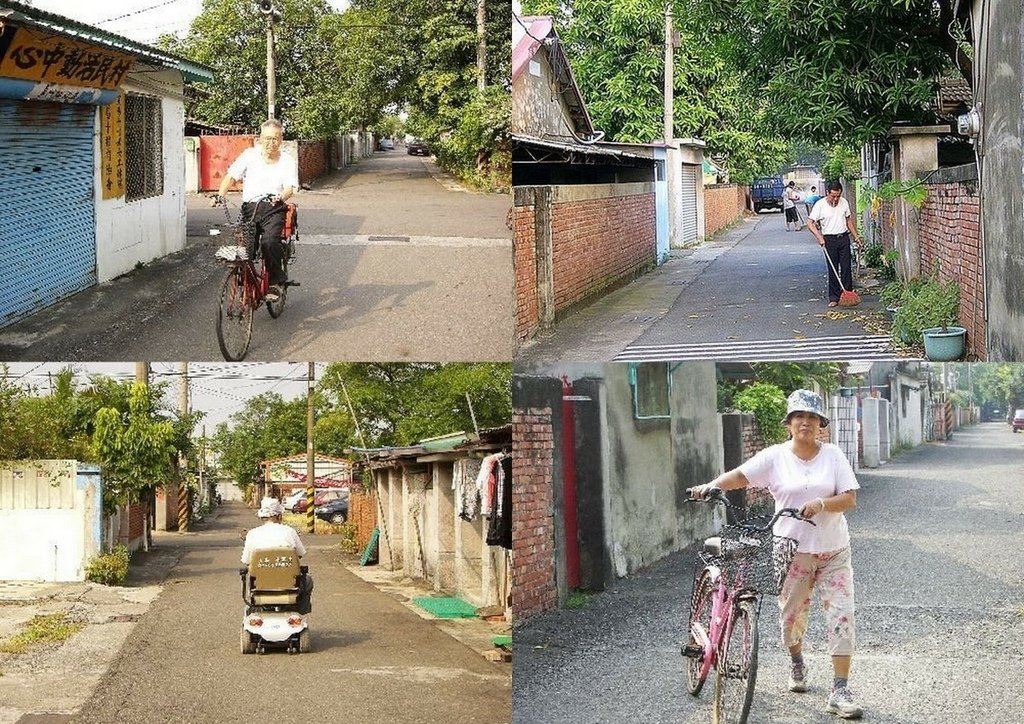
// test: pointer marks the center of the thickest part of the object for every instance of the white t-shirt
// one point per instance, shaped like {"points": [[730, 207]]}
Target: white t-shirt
{"points": [[789, 197], [794, 482], [831, 219], [271, 535], [260, 178]]}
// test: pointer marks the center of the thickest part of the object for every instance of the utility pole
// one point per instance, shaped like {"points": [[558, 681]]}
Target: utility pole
{"points": [[272, 15], [142, 372], [184, 509], [669, 72], [481, 45], [310, 466]]}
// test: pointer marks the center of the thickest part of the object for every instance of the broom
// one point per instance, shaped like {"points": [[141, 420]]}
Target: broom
{"points": [[848, 298]]}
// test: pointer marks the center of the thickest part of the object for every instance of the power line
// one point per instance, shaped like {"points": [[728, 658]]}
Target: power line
{"points": [[137, 12]]}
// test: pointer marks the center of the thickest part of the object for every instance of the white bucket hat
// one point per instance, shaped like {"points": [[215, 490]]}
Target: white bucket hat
{"points": [[269, 507], [806, 401]]}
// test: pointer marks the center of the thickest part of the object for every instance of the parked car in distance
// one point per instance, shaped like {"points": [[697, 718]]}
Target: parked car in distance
{"points": [[320, 497], [1018, 420], [334, 512], [766, 193], [386, 144], [416, 147], [292, 498]]}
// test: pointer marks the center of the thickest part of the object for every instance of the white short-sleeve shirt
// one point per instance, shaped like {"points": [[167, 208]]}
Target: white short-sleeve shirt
{"points": [[794, 482], [271, 535], [260, 178], [831, 219]]}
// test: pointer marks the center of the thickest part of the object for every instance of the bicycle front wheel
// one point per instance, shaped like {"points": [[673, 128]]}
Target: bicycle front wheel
{"points": [[234, 317], [737, 667], [700, 613], [276, 308]]}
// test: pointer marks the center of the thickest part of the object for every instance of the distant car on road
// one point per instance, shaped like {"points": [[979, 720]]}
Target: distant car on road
{"points": [[386, 144], [417, 147], [320, 497], [1018, 420], [334, 512], [766, 193]]}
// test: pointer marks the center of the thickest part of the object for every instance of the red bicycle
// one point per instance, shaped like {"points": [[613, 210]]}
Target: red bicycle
{"points": [[739, 566], [245, 286]]}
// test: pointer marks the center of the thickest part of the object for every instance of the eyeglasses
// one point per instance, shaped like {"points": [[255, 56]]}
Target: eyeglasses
{"points": [[270, 141]]}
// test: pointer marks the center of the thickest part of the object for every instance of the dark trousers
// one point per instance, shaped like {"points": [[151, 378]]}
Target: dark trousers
{"points": [[267, 223], [305, 604], [837, 246]]}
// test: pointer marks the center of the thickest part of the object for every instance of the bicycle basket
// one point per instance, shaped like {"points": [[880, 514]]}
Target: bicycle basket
{"points": [[231, 253], [755, 559]]}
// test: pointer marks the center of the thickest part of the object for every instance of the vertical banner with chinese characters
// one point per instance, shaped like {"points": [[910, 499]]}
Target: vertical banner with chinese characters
{"points": [[112, 148]]}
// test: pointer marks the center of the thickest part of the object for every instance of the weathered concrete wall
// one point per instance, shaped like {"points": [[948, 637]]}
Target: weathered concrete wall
{"points": [[537, 107], [652, 462], [595, 569], [1001, 67], [585, 239], [723, 204], [906, 397]]}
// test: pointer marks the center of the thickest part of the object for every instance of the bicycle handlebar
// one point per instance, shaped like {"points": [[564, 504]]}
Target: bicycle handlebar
{"points": [[716, 495]]}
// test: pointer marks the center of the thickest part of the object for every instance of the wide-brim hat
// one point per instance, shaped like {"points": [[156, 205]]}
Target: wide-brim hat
{"points": [[269, 507], [806, 401]]}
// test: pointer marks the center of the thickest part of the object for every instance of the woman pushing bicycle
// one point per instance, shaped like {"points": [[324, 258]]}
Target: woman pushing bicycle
{"points": [[816, 479], [268, 179]]}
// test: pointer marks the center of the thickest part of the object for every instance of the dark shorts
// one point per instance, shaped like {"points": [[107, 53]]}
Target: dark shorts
{"points": [[791, 215]]}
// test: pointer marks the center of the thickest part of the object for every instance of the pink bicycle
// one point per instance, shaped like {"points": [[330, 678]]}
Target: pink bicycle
{"points": [[739, 566]]}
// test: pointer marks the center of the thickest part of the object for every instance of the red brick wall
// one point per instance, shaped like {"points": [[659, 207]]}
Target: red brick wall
{"points": [[362, 511], [723, 204], [525, 265], [312, 160], [950, 237], [533, 554], [598, 242]]}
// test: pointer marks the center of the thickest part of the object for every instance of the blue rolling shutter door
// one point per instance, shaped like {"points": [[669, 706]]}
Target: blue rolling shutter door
{"points": [[47, 229]]}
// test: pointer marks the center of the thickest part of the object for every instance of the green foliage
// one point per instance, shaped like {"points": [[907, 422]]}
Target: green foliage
{"points": [[110, 569], [794, 375], [873, 254], [42, 628], [913, 192], [999, 383], [348, 542], [577, 599], [841, 162], [925, 303], [767, 402], [481, 133], [892, 293]]}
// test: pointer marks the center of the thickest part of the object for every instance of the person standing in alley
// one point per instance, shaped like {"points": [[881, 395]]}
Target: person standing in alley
{"points": [[832, 225], [790, 198]]}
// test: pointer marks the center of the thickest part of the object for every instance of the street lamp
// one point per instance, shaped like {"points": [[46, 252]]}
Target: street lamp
{"points": [[273, 15]]}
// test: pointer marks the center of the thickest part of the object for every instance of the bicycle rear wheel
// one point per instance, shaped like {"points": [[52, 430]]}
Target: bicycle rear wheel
{"points": [[737, 667], [700, 612], [234, 317]]}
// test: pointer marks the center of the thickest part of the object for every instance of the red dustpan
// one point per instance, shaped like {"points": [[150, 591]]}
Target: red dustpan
{"points": [[848, 298]]}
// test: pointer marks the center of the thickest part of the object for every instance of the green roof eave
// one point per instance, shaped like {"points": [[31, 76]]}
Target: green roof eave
{"points": [[190, 70]]}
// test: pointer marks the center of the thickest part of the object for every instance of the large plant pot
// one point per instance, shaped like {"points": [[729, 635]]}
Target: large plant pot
{"points": [[944, 344]]}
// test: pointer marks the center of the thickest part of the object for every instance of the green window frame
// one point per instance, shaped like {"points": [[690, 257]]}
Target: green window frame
{"points": [[651, 384]]}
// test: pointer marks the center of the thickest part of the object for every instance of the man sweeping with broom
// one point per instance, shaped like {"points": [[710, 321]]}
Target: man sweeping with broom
{"points": [[831, 223]]}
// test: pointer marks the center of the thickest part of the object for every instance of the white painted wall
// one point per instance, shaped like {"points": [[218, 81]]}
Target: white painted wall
{"points": [[128, 233], [49, 537]]}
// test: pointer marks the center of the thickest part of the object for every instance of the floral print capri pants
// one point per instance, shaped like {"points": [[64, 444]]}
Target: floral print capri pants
{"points": [[832, 575]]}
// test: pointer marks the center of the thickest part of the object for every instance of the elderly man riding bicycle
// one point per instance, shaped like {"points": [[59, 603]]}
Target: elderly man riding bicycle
{"points": [[265, 171]]}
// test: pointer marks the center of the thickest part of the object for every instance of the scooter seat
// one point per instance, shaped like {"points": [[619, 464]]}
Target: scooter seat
{"points": [[274, 598]]}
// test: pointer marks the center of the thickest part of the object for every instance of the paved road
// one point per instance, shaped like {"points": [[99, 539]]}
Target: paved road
{"points": [[940, 588], [373, 659], [755, 292], [394, 262]]}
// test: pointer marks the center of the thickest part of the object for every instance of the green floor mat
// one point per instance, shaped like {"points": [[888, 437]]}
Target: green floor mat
{"points": [[443, 607], [502, 640]]}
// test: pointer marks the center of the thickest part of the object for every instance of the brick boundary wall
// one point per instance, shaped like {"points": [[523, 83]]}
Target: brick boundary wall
{"points": [[602, 235], [362, 511], [723, 204], [312, 160], [533, 555]]}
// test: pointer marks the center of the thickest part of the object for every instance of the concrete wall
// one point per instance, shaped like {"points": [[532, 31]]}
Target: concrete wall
{"points": [[1000, 70], [537, 109], [574, 242], [50, 520], [723, 205], [650, 463], [907, 397], [128, 233]]}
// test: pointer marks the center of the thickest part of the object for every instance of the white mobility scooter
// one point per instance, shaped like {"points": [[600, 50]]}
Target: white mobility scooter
{"points": [[271, 587]]}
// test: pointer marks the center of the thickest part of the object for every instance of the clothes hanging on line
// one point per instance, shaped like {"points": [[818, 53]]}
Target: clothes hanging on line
{"points": [[464, 483], [499, 529]]}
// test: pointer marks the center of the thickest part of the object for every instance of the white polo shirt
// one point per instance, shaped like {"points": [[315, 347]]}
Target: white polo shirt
{"points": [[271, 535], [831, 219], [794, 482], [260, 178]]}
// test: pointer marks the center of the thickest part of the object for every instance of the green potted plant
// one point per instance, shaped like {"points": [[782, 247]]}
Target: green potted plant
{"points": [[927, 313]]}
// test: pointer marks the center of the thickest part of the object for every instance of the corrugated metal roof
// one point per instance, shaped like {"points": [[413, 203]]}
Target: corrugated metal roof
{"points": [[72, 28]]}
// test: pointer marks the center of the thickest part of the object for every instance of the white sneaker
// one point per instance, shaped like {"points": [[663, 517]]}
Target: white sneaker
{"points": [[840, 702], [798, 678]]}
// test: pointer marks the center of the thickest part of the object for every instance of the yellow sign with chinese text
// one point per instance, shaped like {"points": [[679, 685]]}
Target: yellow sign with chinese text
{"points": [[112, 166], [35, 55]]}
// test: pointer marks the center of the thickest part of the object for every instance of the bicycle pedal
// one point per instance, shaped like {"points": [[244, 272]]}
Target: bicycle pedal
{"points": [[293, 284], [691, 651]]}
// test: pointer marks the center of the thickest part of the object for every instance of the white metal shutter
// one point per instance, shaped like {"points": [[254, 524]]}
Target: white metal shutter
{"points": [[47, 233], [688, 189]]}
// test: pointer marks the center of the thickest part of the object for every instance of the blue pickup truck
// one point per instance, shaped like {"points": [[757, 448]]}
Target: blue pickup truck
{"points": [[766, 193]]}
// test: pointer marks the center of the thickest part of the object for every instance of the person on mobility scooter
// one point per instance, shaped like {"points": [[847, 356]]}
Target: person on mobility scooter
{"points": [[276, 589]]}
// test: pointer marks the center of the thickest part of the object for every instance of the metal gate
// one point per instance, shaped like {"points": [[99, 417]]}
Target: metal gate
{"points": [[48, 234], [845, 426], [688, 190]]}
